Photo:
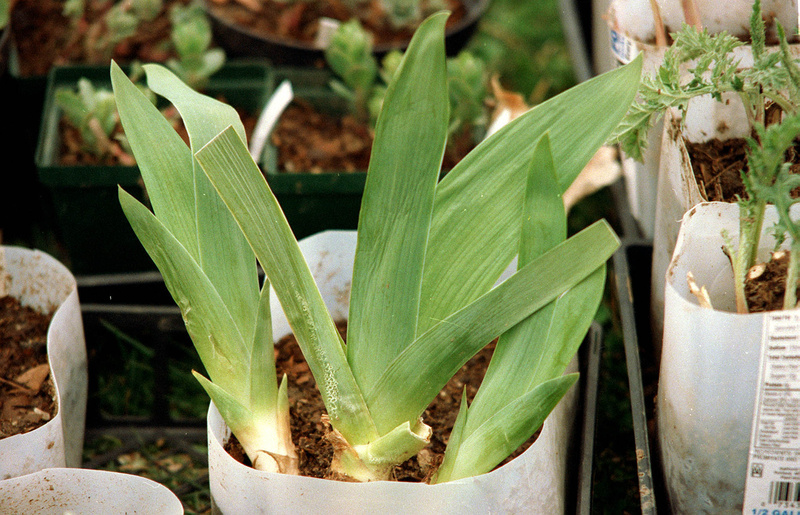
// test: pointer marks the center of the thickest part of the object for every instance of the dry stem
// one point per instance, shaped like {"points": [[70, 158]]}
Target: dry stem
{"points": [[658, 22], [700, 292]]}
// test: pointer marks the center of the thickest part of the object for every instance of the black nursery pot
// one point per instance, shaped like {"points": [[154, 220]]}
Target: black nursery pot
{"points": [[88, 220], [239, 41], [314, 202]]}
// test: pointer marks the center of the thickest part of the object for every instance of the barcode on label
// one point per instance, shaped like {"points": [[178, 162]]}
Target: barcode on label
{"points": [[784, 491]]}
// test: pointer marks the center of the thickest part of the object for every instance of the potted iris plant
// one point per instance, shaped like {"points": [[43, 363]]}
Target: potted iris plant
{"points": [[415, 314]]}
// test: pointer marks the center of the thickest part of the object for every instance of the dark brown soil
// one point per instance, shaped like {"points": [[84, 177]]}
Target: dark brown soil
{"points": [[308, 430], [718, 167], [298, 21], [45, 37], [311, 141], [72, 150], [315, 142], [765, 293], [27, 393]]}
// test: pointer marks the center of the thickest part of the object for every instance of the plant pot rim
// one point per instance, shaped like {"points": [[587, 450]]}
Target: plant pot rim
{"points": [[53, 287], [474, 8], [60, 489], [542, 474]]}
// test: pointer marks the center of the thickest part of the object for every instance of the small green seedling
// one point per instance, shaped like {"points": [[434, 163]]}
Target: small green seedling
{"points": [[119, 22], [93, 112], [363, 82], [191, 36], [773, 79]]}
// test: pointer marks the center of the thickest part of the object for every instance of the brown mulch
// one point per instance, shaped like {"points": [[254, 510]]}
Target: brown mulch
{"points": [[718, 167], [45, 37], [299, 21], [312, 141], [27, 393], [309, 140], [308, 430]]}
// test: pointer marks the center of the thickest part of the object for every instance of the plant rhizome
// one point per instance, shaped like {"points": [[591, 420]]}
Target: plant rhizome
{"points": [[27, 393], [309, 431]]}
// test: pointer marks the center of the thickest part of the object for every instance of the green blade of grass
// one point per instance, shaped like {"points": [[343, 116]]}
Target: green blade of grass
{"points": [[396, 211], [231, 267], [479, 203], [422, 370], [244, 190]]}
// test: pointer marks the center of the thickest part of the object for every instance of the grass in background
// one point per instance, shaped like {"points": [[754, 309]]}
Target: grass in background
{"points": [[125, 370], [523, 42]]}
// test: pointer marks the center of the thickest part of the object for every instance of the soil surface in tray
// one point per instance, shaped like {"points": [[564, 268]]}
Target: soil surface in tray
{"points": [[308, 430], [299, 21], [311, 141], [27, 393], [73, 151], [315, 142], [45, 37]]}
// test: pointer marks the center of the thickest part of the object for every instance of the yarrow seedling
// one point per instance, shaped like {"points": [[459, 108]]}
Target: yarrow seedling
{"points": [[712, 70], [422, 299], [772, 84]]}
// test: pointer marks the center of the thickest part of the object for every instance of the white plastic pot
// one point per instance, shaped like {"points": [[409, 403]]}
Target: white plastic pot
{"points": [[40, 281], [58, 491], [677, 188], [732, 16], [640, 177], [534, 482], [631, 32], [709, 368]]}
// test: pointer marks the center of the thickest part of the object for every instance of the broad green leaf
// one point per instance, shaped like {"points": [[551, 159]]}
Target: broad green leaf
{"points": [[259, 433], [396, 210], [503, 433], [544, 220], [540, 347], [221, 346], [164, 160], [236, 416], [422, 370], [231, 267], [243, 188], [479, 203], [454, 442]]}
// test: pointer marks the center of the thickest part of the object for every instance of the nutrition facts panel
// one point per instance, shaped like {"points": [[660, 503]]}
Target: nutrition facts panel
{"points": [[773, 472]]}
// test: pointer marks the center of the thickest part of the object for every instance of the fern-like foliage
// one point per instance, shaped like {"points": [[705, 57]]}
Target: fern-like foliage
{"points": [[699, 63]]}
